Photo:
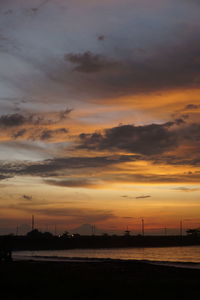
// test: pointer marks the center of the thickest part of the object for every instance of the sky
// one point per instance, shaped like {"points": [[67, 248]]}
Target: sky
{"points": [[99, 114]]}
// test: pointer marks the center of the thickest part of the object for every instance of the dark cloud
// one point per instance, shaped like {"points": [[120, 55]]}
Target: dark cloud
{"points": [[16, 120], [148, 139], [19, 133], [64, 114], [88, 62], [49, 133], [35, 10], [185, 116], [26, 197], [122, 73], [155, 178], [138, 197], [176, 160], [190, 132], [151, 140], [8, 12], [169, 68], [101, 37], [186, 189], [74, 183], [192, 106], [179, 121], [183, 113], [39, 133], [164, 61], [143, 197], [132, 179], [50, 167], [3, 177], [12, 120]]}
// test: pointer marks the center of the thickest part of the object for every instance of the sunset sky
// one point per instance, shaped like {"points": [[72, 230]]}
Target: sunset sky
{"points": [[100, 114]]}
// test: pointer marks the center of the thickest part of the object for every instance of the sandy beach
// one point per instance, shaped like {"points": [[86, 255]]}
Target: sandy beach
{"points": [[97, 280]]}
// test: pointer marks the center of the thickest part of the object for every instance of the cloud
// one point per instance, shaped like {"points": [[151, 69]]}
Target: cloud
{"points": [[64, 114], [88, 62], [186, 189], [16, 120], [49, 133], [3, 177], [123, 73], [42, 134], [176, 160], [43, 3], [148, 139], [74, 183], [71, 214], [192, 106], [152, 141], [153, 178], [26, 197], [143, 197], [34, 126], [76, 214], [50, 167], [138, 197], [168, 60], [101, 37], [12, 120], [126, 178], [19, 133]]}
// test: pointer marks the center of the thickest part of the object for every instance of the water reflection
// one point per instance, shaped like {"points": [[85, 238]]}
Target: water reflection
{"points": [[172, 254]]}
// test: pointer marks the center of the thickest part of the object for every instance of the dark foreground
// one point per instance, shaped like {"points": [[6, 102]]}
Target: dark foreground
{"points": [[43, 241], [96, 280]]}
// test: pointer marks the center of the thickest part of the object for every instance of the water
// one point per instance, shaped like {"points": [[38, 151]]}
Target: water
{"points": [[190, 254]]}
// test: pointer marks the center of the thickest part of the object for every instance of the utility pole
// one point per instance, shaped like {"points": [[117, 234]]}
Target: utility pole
{"points": [[55, 230], [93, 229], [17, 230], [33, 222], [165, 231], [181, 228], [142, 226], [127, 232]]}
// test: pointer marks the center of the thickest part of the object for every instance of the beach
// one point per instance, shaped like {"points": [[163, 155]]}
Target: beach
{"points": [[96, 280]]}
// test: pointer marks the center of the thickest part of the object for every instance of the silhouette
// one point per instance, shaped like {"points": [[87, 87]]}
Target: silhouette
{"points": [[193, 232], [5, 250]]}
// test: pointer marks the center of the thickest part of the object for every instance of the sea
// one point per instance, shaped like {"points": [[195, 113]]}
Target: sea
{"points": [[185, 256]]}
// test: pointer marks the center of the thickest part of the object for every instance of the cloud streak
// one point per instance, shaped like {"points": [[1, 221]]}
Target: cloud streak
{"points": [[75, 183], [143, 197], [51, 166]]}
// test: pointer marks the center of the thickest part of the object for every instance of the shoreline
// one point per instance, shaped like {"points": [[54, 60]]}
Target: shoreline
{"points": [[108, 248], [36, 258], [179, 256]]}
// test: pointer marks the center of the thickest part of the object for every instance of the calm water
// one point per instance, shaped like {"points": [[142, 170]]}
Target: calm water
{"points": [[169, 254]]}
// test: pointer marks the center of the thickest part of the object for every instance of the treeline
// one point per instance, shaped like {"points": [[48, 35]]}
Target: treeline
{"points": [[36, 240]]}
